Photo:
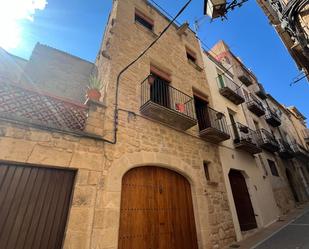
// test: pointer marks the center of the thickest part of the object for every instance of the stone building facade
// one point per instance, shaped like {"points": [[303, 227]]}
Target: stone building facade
{"points": [[185, 134], [146, 139]]}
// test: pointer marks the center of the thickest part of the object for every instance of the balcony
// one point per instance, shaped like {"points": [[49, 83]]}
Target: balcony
{"points": [[267, 141], [255, 106], [260, 91], [230, 90], [244, 76], [306, 136], [286, 151], [166, 104], [300, 151], [272, 118], [213, 126], [245, 139]]}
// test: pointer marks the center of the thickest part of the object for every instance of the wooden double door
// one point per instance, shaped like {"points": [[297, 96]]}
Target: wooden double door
{"points": [[244, 209], [156, 210]]}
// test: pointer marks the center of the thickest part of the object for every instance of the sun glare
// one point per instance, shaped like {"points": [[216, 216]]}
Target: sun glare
{"points": [[11, 12]]}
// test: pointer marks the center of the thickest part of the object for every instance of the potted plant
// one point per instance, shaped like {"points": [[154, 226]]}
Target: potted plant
{"points": [[94, 87], [151, 79], [180, 107]]}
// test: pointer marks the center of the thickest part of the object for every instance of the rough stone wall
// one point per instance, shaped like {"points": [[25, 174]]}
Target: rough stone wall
{"points": [[11, 67], [58, 73], [28, 145], [139, 135]]}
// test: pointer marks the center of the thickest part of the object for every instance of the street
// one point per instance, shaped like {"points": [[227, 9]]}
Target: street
{"points": [[293, 236]]}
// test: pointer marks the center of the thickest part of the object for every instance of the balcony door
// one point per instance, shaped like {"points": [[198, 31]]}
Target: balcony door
{"points": [[202, 114], [159, 91]]}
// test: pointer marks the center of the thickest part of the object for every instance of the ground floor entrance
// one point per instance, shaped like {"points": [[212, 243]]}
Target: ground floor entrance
{"points": [[156, 210], [34, 204], [243, 204]]}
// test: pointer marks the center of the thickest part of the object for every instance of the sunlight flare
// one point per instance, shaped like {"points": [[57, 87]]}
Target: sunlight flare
{"points": [[11, 12]]}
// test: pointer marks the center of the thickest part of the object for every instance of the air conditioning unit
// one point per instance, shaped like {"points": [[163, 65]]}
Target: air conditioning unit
{"points": [[215, 8]]}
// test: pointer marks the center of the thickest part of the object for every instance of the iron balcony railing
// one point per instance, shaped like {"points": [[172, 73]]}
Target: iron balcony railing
{"points": [[300, 150], [272, 114], [252, 100], [244, 76], [224, 81], [285, 146], [244, 133], [159, 91], [272, 118], [266, 137], [213, 119], [260, 91]]}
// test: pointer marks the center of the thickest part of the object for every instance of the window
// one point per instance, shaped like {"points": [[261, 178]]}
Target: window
{"points": [[273, 167], [191, 55], [206, 170], [144, 20]]}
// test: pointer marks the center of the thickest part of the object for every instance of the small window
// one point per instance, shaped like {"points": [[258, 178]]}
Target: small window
{"points": [[191, 55], [273, 167], [144, 20], [206, 170]]}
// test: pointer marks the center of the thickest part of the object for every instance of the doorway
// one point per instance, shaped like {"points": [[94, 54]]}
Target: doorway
{"points": [[243, 204], [156, 210]]}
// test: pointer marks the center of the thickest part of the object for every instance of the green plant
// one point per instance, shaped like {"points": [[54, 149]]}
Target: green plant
{"points": [[95, 83]]}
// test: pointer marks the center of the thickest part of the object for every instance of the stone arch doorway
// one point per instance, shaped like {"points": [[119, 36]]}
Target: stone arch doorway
{"points": [[291, 183], [242, 201], [156, 210]]}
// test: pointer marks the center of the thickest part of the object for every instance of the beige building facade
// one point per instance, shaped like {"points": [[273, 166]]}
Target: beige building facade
{"points": [[274, 185], [259, 186], [161, 160]]}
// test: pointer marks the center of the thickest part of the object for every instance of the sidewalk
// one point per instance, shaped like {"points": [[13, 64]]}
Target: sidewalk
{"points": [[265, 233]]}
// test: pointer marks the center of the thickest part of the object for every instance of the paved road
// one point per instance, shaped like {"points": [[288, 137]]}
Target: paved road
{"points": [[293, 236]]}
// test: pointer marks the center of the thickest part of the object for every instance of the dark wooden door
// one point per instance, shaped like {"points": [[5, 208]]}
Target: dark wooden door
{"points": [[156, 211], [245, 212], [202, 114], [34, 204]]}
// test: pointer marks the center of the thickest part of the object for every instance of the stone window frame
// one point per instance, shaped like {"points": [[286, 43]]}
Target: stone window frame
{"points": [[192, 58], [148, 21]]}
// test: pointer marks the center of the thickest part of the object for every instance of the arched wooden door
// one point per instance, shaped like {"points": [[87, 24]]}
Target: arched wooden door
{"points": [[244, 209], [156, 210]]}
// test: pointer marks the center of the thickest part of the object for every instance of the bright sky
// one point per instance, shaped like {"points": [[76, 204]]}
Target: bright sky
{"points": [[76, 26]]}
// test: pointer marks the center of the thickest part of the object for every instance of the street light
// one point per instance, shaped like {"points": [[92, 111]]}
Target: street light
{"points": [[214, 8], [219, 8]]}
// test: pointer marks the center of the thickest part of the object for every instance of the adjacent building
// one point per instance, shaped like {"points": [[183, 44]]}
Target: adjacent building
{"points": [[291, 21], [265, 135]]}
